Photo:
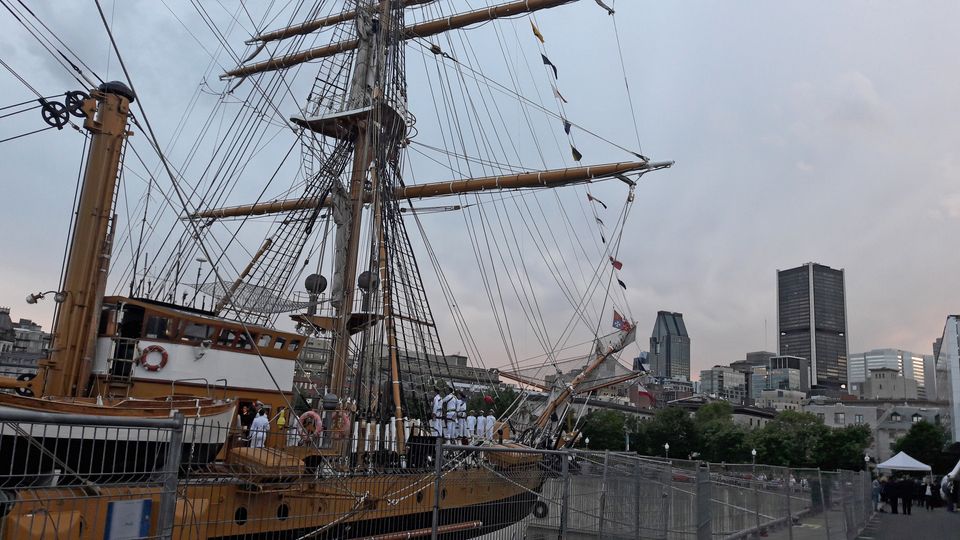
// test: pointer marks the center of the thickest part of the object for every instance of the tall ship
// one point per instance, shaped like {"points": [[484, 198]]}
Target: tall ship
{"points": [[215, 302]]}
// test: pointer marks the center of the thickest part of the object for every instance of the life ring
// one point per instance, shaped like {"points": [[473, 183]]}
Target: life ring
{"points": [[540, 510], [146, 353], [315, 420]]}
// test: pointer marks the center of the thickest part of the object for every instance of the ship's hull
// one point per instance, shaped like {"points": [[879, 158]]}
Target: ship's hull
{"points": [[491, 515], [52, 454]]}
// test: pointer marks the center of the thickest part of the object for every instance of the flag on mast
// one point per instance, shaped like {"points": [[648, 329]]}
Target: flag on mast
{"points": [[620, 323]]}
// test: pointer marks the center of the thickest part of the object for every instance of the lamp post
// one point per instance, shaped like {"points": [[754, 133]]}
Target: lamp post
{"points": [[586, 442], [866, 462], [753, 456], [666, 450]]}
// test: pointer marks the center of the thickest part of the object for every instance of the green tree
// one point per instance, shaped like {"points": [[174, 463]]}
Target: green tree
{"points": [[791, 439], [716, 410], [843, 448], [605, 429], [671, 425], [923, 442], [503, 398]]}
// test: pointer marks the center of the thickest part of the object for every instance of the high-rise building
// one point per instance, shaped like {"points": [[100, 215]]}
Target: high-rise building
{"points": [[930, 376], [812, 322], [670, 347], [790, 373], [907, 364], [726, 383], [948, 374]]}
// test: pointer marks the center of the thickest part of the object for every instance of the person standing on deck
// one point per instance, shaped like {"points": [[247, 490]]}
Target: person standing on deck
{"points": [[436, 421], [481, 425], [471, 423], [450, 402], [491, 420], [258, 430], [461, 415]]}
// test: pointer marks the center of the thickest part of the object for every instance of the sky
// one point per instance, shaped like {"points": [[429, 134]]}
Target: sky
{"points": [[816, 131]]}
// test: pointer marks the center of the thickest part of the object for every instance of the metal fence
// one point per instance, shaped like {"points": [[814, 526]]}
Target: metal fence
{"points": [[85, 477]]}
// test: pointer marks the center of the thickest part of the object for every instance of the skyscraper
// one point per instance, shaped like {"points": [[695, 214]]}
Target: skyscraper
{"points": [[910, 365], [812, 321], [670, 347]]}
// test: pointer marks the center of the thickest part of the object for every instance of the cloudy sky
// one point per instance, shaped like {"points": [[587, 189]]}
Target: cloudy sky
{"points": [[817, 131]]}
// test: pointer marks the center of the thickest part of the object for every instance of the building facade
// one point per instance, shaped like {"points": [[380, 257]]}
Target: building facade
{"points": [[908, 364], [888, 383], [812, 322], [782, 400], [670, 347], [948, 373], [724, 382]]}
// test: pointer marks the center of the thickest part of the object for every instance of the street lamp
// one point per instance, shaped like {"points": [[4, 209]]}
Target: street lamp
{"points": [[866, 462], [753, 455], [58, 296], [586, 442], [666, 450]]}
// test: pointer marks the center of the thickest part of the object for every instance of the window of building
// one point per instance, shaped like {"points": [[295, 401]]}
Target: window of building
{"points": [[858, 418], [839, 418], [917, 418], [895, 417], [820, 416]]}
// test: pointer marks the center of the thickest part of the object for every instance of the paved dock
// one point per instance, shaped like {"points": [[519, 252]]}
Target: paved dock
{"points": [[924, 524]]}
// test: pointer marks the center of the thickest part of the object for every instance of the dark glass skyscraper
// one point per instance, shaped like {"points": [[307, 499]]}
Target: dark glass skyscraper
{"points": [[812, 319], [670, 347]]}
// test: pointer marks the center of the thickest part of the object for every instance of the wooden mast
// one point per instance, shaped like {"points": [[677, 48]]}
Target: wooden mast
{"points": [[74, 330], [317, 24], [547, 178], [422, 30]]}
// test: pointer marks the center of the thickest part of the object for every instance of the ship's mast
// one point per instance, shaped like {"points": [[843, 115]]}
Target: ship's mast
{"points": [[66, 372]]}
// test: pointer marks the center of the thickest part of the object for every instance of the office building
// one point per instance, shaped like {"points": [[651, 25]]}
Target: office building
{"points": [[670, 347], [948, 373], [726, 383], [907, 364], [812, 322], [888, 383], [794, 369]]}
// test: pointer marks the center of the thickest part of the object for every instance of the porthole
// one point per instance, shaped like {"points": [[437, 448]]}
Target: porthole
{"points": [[240, 516], [283, 512]]}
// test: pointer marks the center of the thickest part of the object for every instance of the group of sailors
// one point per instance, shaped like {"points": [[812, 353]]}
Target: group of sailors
{"points": [[452, 421]]}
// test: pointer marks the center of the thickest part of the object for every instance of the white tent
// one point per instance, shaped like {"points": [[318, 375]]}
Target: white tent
{"points": [[903, 462]]}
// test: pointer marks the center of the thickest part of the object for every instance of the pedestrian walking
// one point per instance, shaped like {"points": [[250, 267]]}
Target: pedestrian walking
{"points": [[928, 495]]}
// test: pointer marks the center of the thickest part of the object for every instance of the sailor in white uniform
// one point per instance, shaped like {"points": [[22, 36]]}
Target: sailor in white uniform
{"points": [[450, 401], [461, 415], [481, 425], [471, 424], [491, 420], [436, 421], [259, 429]]}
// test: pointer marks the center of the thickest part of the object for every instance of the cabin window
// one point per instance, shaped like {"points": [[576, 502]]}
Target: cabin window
{"points": [[244, 342], [279, 343], [158, 327], [264, 341], [196, 332], [294, 345], [227, 336]]}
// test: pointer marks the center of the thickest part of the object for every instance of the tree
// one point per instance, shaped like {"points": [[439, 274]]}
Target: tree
{"points": [[923, 442], [843, 448], [503, 397], [671, 425], [605, 429], [789, 440]]}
